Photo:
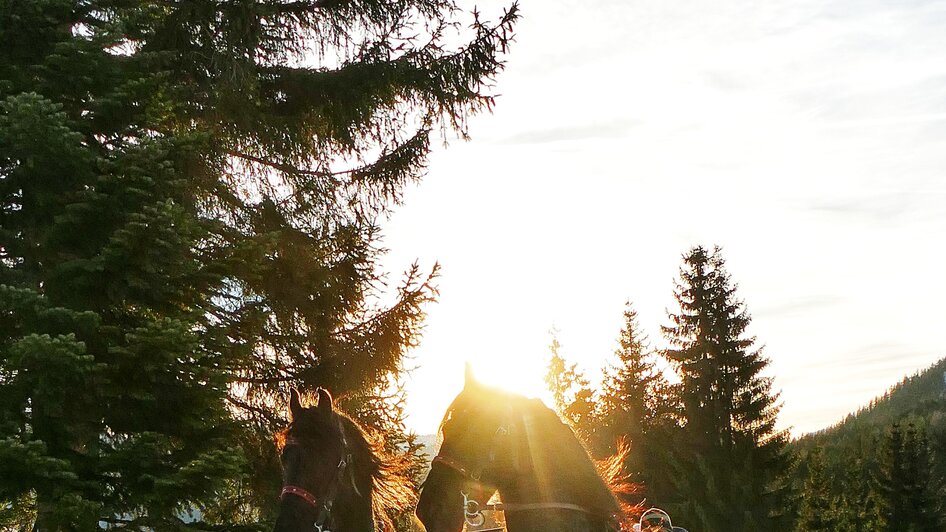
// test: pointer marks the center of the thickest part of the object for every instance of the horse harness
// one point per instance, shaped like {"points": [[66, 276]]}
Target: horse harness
{"points": [[472, 509], [323, 519]]}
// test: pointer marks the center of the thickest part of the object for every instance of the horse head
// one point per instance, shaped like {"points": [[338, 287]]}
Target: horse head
{"points": [[477, 456], [325, 487]]}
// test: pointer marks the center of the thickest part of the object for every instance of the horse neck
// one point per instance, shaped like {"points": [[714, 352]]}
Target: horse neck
{"points": [[546, 470], [552, 473], [547, 519], [355, 515], [529, 490]]}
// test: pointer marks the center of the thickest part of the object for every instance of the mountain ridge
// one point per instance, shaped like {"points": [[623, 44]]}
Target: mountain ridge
{"points": [[920, 395]]}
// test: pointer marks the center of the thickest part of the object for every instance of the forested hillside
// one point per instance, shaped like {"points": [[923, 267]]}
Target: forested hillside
{"points": [[882, 464], [708, 444], [921, 395]]}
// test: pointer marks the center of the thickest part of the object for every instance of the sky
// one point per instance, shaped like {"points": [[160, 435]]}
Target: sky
{"points": [[808, 139]]}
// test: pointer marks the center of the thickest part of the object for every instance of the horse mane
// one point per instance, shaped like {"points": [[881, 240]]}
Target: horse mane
{"points": [[390, 473], [611, 468], [391, 482]]}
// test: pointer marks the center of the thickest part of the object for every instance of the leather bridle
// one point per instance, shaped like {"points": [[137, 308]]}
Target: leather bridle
{"points": [[323, 505], [457, 466]]}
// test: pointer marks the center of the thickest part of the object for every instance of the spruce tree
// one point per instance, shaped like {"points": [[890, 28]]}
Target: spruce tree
{"points": [[189, 201], [733, 463], [636, 406], [907, 498], [629, 399], [857, 503], [574, 399], [818, 509]]}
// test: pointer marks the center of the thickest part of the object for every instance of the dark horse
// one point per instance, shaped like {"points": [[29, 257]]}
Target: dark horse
{"points": [[336, 476], [497, 441]]}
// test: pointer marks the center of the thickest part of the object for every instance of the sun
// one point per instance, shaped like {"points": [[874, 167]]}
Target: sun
{"points": [[431, 388], [522, 375]]}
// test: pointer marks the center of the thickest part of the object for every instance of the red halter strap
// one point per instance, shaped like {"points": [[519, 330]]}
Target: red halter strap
{"points": [[301, 493]]}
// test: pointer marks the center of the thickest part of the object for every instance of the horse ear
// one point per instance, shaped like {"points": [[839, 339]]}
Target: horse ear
{"points": [[326, 406], [469, 380], [295, 407]]}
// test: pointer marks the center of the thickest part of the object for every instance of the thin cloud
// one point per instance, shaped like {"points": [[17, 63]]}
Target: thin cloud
{"points": [[884, 121], [572, 133], [874, 360], [865, 208], [801, 305], [875, 208]]}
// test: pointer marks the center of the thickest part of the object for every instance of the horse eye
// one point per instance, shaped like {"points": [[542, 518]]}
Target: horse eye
{"points": [[287, 453]]}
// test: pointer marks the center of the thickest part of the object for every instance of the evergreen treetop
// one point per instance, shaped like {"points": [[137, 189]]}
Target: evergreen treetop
{"points": [[574, 399], [638, 408], [732, 458], [818, 510], [905, 485], [628, 395]]}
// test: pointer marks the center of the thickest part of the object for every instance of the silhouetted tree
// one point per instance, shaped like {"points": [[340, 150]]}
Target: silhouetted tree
{"points": [[905, 487], [818, 510], [637, 406], [574, 399], [629, 401], [733, 462], [189, 197], [857, 502]]}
